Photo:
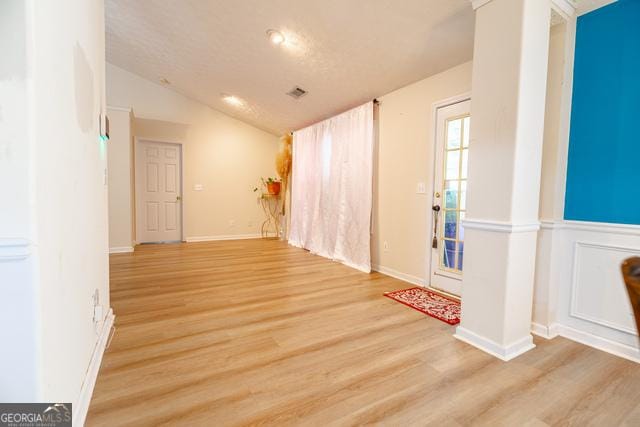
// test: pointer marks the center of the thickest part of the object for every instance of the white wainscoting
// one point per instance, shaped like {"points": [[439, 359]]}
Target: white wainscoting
{"points": [[598, 293], [592, 304]]}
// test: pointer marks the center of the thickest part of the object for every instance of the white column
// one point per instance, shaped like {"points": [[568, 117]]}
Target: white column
{"points": [[507, 126], [551, 256]]}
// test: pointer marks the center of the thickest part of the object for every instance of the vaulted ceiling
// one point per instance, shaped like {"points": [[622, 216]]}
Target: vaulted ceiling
{"points": [[342, 52]]}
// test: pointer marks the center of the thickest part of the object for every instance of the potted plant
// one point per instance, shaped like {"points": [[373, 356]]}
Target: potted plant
{"points": [[272, 186]]}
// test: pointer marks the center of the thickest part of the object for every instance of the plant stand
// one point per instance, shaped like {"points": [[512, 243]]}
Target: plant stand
{"points": [[272, 210]]}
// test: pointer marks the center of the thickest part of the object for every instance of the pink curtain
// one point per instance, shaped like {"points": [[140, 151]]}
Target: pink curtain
{"points": [[331, 189]]}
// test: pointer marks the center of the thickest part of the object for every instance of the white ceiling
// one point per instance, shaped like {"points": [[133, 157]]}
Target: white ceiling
{"points": [[586, 6], [344, 52]]}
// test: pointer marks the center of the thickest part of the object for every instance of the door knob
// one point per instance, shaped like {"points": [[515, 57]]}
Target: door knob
{"points": [[178, 198]]}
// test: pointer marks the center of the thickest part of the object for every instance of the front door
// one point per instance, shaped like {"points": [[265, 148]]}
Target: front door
{"points": [[158, 192], [449, 198]]}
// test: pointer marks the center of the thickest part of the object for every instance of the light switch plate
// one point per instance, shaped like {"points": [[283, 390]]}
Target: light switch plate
{"points": [[421, 188], [198, 187]]}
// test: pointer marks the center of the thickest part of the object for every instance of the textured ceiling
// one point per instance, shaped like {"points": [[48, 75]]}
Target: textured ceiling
{"points": [[586, 6], [343, 52]]}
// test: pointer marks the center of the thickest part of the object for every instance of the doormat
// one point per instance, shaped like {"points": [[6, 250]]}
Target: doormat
{"points": [[429, 303]]}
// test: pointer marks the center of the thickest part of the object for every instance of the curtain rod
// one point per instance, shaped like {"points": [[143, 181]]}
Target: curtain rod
{"points": [[375, 102]]}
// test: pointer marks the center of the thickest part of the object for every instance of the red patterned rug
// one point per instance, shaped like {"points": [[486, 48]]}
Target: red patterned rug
{"points": [[430, 303]]}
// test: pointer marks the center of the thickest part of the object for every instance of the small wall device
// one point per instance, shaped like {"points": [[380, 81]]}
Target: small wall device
{"points": [[104, 127]]}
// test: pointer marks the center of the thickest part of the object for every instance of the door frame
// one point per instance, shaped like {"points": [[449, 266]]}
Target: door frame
{"points": [[181, 146], [463, 97]]}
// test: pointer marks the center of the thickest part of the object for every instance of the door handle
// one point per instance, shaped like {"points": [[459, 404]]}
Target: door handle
{"points": [[436, 211], [178, 198]]}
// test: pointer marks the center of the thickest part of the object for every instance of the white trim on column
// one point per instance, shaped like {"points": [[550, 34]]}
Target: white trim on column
{"points": [[547, 332], [86, 391], [504, 353], [565, 8], [478, 3], [14, 249], [500, 226]]}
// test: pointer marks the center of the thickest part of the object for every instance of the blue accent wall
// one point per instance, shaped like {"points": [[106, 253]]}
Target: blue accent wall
{"points": [[603, 175]]}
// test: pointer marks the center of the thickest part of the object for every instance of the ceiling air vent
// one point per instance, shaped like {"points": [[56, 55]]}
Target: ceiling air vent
{"points": [[297, 92]]}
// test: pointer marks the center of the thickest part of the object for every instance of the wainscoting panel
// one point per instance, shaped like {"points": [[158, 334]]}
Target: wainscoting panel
{"points": [[584, 279], [598, 292]]}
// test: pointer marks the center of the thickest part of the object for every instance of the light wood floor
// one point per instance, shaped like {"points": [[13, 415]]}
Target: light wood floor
{"points": [[255, 332]]}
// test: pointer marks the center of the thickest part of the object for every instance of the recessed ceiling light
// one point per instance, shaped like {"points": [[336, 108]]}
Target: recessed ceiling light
{"points": [[276, 37], [233, 100]]}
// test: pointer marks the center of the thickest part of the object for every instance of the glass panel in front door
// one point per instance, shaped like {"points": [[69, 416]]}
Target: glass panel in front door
{"points": [[456, 151]]}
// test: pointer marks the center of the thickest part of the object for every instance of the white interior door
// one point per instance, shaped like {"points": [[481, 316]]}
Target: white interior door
{"points": [[158, 192], [449, 198]]}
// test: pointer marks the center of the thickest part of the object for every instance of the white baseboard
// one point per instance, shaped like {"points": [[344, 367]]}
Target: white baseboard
{"points": [[504, 353], [398, 275], [86, 391], [222, 237], [547, 332], [615, 348], [121, 249]]}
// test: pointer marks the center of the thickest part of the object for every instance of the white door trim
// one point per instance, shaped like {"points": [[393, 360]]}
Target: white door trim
{"points": [[463, 97], [137, 140]]}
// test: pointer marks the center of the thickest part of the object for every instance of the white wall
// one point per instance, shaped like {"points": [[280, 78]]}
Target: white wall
{"points": [[223, 154], [19, 373], [405, 156], [57, 201], [69, 188], [120, 170]]}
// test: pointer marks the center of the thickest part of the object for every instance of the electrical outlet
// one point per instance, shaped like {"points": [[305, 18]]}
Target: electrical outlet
{"points": [[97, 314], [232, 223], [385, 245], [250, 224], [198, 187], [97, 308]]}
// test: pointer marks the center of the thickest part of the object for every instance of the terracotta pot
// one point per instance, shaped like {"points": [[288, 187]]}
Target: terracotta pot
{"points": [[273, 188]]}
